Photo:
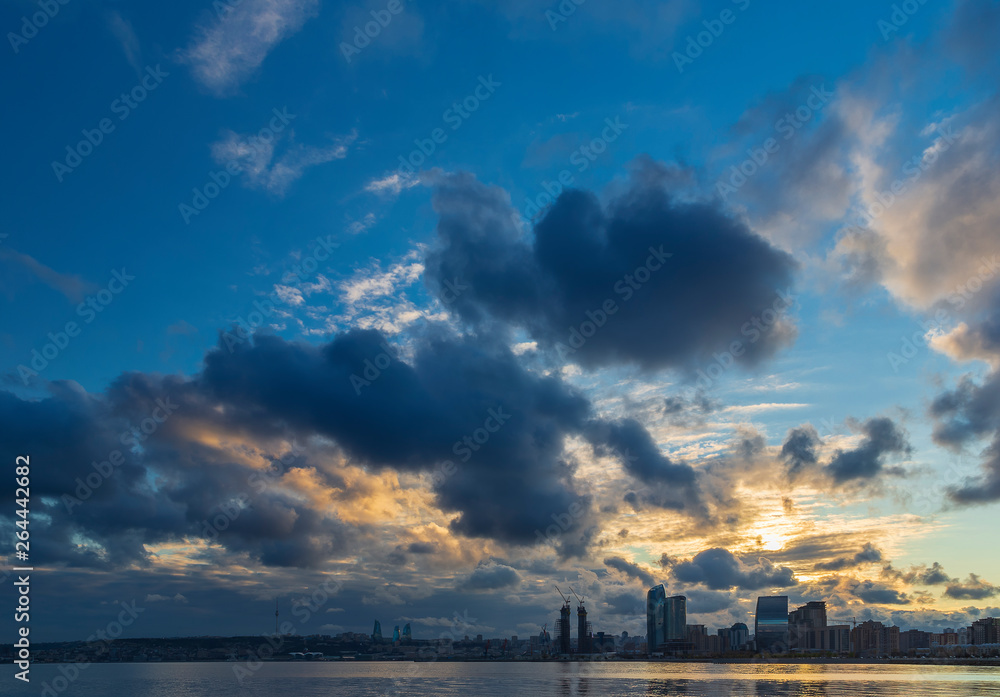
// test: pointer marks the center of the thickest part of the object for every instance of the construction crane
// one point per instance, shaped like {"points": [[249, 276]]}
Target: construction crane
{"points": [[579, 599], [562, 595], [853, 621]]}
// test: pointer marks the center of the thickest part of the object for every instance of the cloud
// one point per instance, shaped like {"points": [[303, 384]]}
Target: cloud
{"points": [[669, 484], [973, 588], [933, 575], [125, 33], [882, 437], [490, 577], [228, 49], [661, 311], [799, 449], [630, 569], [871, 592], [869, 554], [719, 569], [260, 168], [392, 183], [963, 415], [73, 287]]}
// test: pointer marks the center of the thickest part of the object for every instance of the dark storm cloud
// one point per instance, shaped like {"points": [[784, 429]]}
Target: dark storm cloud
{"points": [[933, 575], [631, 569], [964, 415], [490, 577], [882, 437], [117, 511], [706, 602], [799, 449], [583, 259], [719, 569], [870, 553], [874, 593], [670, 484], [973, 588], [463, 401], [626, 603]]}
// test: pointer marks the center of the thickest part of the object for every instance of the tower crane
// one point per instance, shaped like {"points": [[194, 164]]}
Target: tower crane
{"points": [[562, 595]]}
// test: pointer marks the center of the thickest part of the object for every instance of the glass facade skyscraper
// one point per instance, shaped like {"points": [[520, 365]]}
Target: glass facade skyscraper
{"points": [[675, 610], [655, 619], [771, 623]]}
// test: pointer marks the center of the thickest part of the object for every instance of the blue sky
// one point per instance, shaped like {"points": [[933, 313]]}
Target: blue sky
{"points": [[618, 101]]}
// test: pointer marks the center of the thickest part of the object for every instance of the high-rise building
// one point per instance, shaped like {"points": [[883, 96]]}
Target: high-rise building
{"points": [[739, 636], [986, 631], [377, 632], [771, 624], [407, 633], [655, 619], [395, 634], [583, 643], [675, 622], [801, 625], [914, 639], [562, 629], [875, 639], [696, 636]]}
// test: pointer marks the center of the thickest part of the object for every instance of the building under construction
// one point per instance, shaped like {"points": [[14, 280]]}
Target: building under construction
{"points": [[562, 628], [584, 632]]}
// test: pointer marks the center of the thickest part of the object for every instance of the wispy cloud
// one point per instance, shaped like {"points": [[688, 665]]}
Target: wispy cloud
{"points": [[392, 184], [275, 174], [125, 33], [228, 49], [73, 287]]}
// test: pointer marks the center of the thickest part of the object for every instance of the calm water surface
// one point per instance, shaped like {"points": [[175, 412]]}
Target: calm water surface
{"points": [[494, 679]]}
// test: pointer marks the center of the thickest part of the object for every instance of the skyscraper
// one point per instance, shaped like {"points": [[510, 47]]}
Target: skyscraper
{"points": [[407, 633], [377, 632], [655, 618], [771, 623], [563, 630], [675, 622], [739, 636]]}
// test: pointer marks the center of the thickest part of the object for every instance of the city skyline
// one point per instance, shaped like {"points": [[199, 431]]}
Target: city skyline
{"points": [[411, 312]]}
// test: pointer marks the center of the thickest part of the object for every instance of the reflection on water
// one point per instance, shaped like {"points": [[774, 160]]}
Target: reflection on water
{"points": [[522, 679]]}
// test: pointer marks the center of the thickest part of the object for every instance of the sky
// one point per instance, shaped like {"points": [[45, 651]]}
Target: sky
{"points": [[412, 311]]}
